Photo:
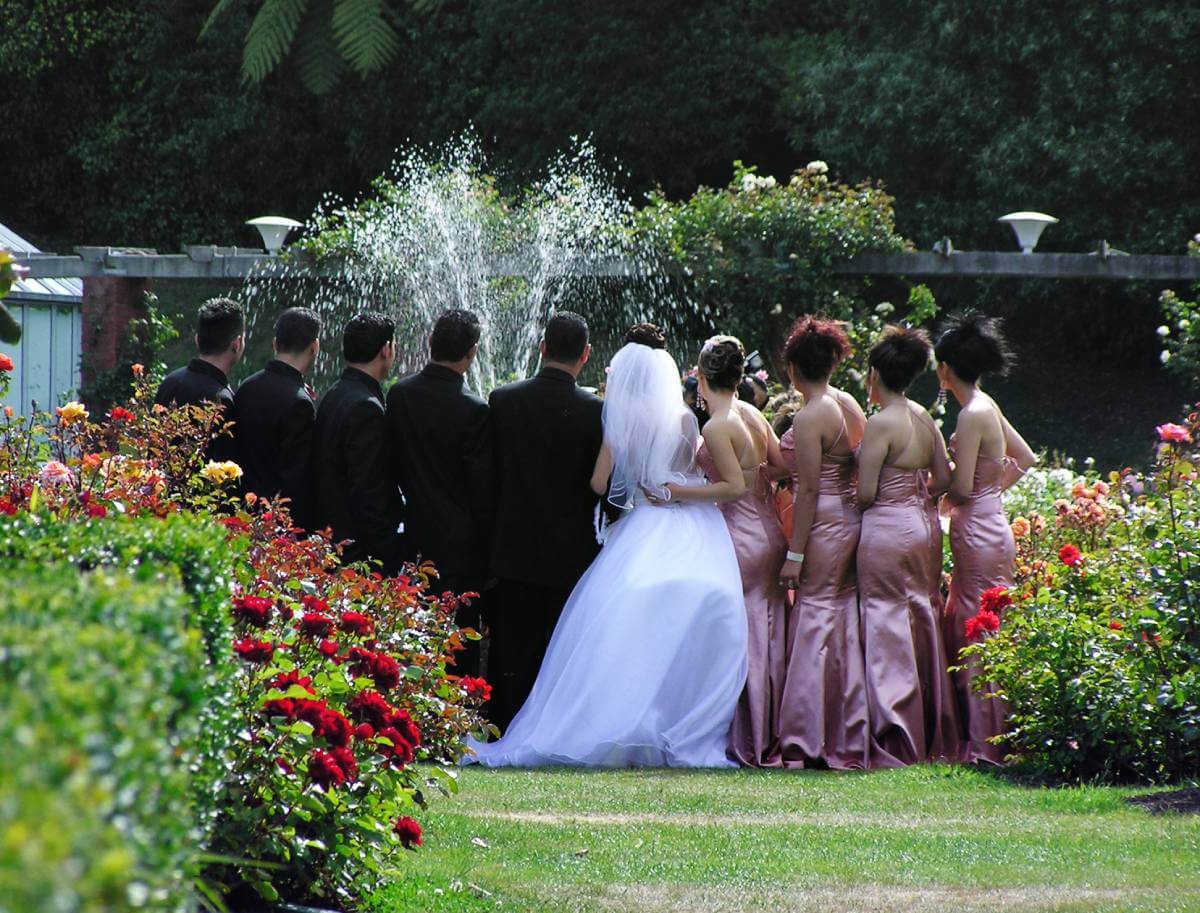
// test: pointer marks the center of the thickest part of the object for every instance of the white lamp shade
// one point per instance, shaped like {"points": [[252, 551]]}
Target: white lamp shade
{"points": [[1028, 227], [273, 230]]}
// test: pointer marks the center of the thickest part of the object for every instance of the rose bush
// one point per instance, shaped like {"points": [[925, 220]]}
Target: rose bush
{"points": [[323, 685], [1098, 656]]}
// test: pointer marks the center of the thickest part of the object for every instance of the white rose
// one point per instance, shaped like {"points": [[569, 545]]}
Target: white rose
{"points": [[768, 182], [1163, 331], [749, 182], [884, 308], [817, 167], [1164, 356], [1183, 325]]}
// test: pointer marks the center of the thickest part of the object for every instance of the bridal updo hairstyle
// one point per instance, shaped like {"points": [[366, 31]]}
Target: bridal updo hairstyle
{"points": [[815, 347], [899, 357], [972, 345], [646, 334], [722, 362]]}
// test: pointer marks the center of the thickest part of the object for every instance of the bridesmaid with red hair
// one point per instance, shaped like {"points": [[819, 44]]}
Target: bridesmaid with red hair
{"points": [[989, 456], [823, 712]]}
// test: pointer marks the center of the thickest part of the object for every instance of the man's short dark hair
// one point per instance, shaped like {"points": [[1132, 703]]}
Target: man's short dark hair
{"points": [[219, 323], [365, 335], [296, 329], [566, 337], [453, 335]]}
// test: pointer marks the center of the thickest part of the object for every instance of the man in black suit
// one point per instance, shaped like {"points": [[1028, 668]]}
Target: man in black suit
{"points": [[274, 415], [546, 434], [220, 341], [442, 461], [356, 494]]}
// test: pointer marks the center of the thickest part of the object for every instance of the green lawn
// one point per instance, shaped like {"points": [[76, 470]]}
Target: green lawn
{"points": [[925, 838]]}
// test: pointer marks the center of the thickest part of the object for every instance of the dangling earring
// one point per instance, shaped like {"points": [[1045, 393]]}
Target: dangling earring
{"points": [[700, 403], [941, 398]]}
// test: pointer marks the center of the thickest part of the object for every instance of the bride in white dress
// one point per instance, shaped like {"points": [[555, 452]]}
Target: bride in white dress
{"points": [[649, 657]]}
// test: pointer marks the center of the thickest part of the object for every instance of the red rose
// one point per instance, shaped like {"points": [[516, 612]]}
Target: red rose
{"points": [[995, 599], [361, 660], [984, 621], [120, 414], [235, 524], [311, 712], [477, 687], [285, 680], [386, 672], [313, 624], [282, 706], [6, 363], [364, 732], [402, 721], [334, 727], [328, 648], [1116, 625], [324, 770], [357, 623], [8, 507], [314, 604], [96, 510], [408, 831], [254, 651], [371, 707], [1070, 556], [346, 761], [255, 610], [283, 764], [400, 750]]}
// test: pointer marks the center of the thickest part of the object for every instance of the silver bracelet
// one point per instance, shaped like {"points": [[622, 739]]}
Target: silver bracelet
{"points": [[798, 557]]}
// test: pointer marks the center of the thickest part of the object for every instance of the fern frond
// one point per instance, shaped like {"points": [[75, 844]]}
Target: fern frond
{"points": [[315, 54], [217, 12], [363, 34], [270, 37]]}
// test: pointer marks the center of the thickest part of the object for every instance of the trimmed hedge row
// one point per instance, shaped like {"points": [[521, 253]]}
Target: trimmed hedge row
{"points": [[113, 696]]}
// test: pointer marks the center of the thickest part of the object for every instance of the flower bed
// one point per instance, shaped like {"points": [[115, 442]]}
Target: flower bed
{"points": [[1098, 655], [294, 739]]}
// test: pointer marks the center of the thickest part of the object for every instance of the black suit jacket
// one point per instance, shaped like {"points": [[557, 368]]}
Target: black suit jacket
{"points": [[274, 417], [546, 434], [442, 463], [356, 496], [195, 384]]}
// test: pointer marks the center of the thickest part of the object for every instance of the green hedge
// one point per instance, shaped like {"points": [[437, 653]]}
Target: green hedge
{"points": [[115, 687], [100, 698]]}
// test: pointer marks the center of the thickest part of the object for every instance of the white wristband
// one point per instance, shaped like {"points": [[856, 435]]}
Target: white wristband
{"points": [[798, 557]]}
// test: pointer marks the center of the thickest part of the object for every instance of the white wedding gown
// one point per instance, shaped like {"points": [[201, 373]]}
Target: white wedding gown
{"points": [[649, 656]]}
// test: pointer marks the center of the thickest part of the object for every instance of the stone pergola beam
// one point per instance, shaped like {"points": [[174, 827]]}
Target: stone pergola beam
{"points": [[212, 262], [995, 264]]}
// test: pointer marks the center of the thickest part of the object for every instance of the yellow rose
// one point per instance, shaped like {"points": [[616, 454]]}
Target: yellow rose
{"points": [[71, 413], [220, 473]]}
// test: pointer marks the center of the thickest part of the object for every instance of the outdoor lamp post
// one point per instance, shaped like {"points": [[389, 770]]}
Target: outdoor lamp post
{"points": [[1028, 227], [273, 230]]}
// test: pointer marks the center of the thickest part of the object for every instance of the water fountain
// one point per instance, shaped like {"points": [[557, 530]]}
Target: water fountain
{"points": [[437, 234]]}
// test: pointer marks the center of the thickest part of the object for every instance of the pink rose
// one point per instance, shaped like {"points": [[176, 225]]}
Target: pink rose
{"points": [[56, 473], [1173, 433]]}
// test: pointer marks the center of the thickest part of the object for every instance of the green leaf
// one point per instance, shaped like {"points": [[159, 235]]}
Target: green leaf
{"points": [[363, 34], [270, 37]]}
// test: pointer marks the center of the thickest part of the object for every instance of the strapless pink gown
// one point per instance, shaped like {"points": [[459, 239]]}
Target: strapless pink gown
{"points": [[910, 697], [981, 542], [760, 546], [823, 715]]}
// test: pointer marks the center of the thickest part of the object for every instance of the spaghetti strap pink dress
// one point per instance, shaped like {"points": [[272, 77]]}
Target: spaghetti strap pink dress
{"points": [[823, 714], [981, 542], [910, 697], [760, 546]]}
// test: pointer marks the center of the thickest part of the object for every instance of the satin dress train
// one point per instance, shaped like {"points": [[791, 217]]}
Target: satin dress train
{"points": [[910, 697], [648, 659], [981, 542], [823, 713], [760, 546]]}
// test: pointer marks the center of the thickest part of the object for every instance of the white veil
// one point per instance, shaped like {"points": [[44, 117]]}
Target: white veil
{"points": [[650, 432]]}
